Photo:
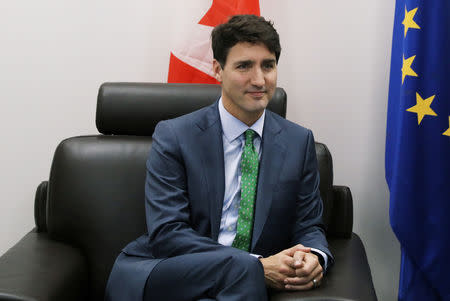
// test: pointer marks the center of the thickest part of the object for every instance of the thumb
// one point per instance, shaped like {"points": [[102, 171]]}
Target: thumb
{"points": [[291, 251]]}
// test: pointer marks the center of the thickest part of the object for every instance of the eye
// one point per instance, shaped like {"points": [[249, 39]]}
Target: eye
{"points": [[243, 66], [269, 65]]}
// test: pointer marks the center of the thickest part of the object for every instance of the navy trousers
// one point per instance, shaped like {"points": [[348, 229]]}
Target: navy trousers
{"points": [[218, 275]]}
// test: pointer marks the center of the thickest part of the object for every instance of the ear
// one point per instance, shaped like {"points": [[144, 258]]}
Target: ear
{"points": [[217, 70]]}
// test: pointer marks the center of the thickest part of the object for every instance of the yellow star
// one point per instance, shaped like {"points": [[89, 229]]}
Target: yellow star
{"points": [[406, 68], [447, 132], [422, 107], [408, 21]]}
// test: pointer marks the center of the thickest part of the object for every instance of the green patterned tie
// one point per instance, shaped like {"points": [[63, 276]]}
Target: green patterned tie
{"points": [[249, 180]]}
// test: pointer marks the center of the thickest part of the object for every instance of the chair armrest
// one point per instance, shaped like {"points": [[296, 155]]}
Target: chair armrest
{"points": [[348, 279], [341, 223], [37, 268], [40, 207]]}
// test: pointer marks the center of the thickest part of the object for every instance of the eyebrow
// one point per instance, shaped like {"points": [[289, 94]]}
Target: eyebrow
{"points": [[245, 62], [270, 61], [251, 62]]}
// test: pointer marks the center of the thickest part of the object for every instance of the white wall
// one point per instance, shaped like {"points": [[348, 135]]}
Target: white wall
{"points": [[334, 67]]}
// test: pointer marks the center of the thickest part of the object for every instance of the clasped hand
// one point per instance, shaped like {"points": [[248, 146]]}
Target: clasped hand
{"points": [[292, 269]]}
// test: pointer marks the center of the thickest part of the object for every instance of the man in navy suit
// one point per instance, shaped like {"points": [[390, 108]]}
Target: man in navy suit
{"points": [[232, 190]]}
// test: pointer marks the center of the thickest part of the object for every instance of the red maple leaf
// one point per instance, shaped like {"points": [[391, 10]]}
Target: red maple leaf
{"points": [[221, 10]]}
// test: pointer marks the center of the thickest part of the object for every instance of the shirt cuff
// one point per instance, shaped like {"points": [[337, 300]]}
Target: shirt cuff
{"points": [[255, 255], [324, 258]]}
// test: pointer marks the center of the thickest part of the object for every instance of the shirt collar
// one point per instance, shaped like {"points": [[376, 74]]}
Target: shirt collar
{"points": [[233, 127]]}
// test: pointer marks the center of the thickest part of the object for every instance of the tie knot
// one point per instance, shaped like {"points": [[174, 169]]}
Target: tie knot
{"points": [[249, 135]]}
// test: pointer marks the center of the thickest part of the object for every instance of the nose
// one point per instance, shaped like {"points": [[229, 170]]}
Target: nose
{"points": [[258, 77]]}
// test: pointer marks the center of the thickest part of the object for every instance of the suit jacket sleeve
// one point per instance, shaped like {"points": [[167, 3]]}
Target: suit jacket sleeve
{"points": [[167, 203], [309, 228]]}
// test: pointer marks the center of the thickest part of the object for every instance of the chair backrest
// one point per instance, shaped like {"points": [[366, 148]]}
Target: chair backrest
{"points": [[96, 186], [136, 108]]}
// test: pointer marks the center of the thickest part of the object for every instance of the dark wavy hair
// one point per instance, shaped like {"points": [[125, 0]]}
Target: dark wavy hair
{"points": [[244, 28]]}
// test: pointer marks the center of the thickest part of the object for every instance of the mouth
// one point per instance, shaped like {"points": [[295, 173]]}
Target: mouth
{"points": [[256, 94]]}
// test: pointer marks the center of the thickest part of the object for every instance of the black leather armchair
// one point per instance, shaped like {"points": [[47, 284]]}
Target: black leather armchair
{"points": [[93, 203]]}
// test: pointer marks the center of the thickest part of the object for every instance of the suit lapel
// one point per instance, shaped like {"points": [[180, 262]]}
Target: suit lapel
{"points": [[272, 158], [211, 148]]}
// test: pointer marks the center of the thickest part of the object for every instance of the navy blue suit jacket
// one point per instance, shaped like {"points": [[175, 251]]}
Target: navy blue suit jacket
{"points": [[185, 189]]}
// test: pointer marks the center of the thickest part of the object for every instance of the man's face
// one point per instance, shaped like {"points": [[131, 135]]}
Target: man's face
{"points": [[249, 79]]}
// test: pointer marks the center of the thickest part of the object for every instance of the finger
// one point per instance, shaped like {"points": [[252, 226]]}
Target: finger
{"points": [[285, 265], [306, 286], [287, 269], [289, 261], [316, 274], [310, 262], [298, 259], [292, 260], [291, 251]]}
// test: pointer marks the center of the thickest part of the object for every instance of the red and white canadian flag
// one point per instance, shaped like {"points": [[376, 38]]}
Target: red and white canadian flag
{"points": [[192, 61]]}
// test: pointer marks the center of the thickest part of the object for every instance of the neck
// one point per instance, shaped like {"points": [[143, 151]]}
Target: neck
{"points": [[249, 118]]}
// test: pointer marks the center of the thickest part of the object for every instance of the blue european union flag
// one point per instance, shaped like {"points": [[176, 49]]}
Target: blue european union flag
{"points": [[418, 147]]}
